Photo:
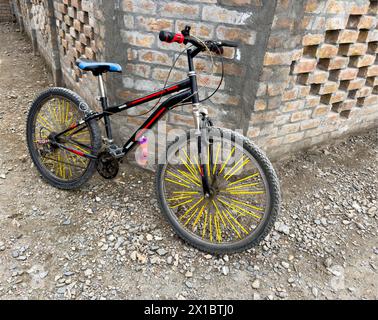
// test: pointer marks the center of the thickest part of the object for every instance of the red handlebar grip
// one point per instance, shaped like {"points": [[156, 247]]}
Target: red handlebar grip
{"points": [[170, 37]]}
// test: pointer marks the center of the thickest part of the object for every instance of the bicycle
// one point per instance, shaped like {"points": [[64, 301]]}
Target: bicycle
{"points": [[214, 200]]}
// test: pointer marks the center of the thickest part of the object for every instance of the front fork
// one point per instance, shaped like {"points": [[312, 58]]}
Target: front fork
{"points": [[205, 149]]}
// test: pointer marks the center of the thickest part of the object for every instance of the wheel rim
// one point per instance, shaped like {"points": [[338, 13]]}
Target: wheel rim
{"points": [[55, 115], [238, 206]]}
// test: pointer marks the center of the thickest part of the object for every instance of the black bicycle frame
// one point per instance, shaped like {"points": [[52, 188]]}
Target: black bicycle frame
{"points": [[188, 95]]}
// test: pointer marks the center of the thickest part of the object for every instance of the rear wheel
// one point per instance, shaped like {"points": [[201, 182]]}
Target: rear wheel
{"points": [[244, 199], [53, 112]]}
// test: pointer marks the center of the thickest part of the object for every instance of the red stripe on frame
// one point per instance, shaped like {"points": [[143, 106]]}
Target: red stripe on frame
{"points": [[156, 94], [149, 123], [79, 153]]}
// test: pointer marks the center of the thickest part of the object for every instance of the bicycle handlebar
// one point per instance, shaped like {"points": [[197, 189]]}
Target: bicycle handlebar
{"points": [[214, 46]]}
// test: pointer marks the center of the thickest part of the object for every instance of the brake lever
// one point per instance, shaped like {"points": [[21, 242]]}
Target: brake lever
{"points": [[214, 47]]}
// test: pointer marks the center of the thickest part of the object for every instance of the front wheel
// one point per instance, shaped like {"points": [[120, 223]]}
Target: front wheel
{"points": [[245, 195]]}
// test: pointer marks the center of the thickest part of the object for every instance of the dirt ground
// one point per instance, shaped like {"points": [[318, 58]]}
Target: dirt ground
{"points": [[109, 240]]}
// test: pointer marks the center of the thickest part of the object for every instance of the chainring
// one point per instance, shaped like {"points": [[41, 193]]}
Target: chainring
{"points": [[107, 165]]}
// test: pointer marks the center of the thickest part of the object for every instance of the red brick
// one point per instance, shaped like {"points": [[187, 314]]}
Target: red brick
{"points": [[355, 49], [327, 51], [236, 34], [362, 61], [280, 58], [347, 74], [304, 66], [321, 110], [349, 85], [344, 105], [312, 39], [334, 63]]}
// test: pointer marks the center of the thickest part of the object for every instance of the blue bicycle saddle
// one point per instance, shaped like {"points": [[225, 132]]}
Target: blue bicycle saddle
{"points": [[98, 67]]}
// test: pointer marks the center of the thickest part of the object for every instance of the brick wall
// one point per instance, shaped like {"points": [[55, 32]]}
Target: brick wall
{"points": [[305, 71], [323, 83], [5, 11]]}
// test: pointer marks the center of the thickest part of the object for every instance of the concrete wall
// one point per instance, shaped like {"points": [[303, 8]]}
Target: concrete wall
{"points": [[305, 71]]}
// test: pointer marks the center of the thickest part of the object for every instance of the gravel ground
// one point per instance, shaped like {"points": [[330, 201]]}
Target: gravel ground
{"points": [[109, 240]]}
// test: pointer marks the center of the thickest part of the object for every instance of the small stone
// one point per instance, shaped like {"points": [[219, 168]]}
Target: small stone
{"points": [[162, 252], [315, 292], [189, 274], [133, 255], [98, 199], [189, 284], [170, 260], [256, 296], [2, 176], [88, 272], [149, 237], [43, 274], [225, 270], [328, 262], [208, 256], [281, 227], [256, 284], [285, 264], [15, 254]]}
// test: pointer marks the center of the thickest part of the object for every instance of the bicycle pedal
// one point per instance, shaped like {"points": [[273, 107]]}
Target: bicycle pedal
{"points": [[116, 151]]}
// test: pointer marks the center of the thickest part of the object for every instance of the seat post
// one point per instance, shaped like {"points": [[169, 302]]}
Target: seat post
{"points": [[101, 85], [104, 105]]}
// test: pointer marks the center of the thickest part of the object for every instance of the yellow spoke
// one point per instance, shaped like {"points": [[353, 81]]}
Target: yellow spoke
{"points": [[180, 198], [181, 204], [204, 228], [232, 226], [235, 165], [69, 167], [52, 114], [178, 183], [191, 208], [238, 209], [190, 218], [239, 168], [199, 167], [228, 159], [211, 227], [61, 109], [243, 186], [244, 179], [237, 222], [217, 229], [189, 177], [216, 159], [192, 165], [42, 121], [186, 192], [188, 168], [245, 192], [179, 178], [247, 205], [55, 111], [68, 111], [199, 215]]}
